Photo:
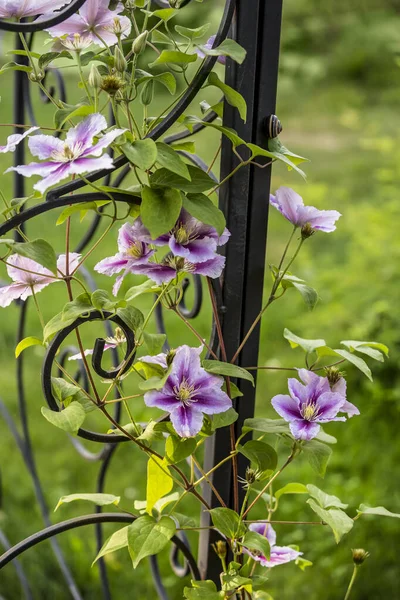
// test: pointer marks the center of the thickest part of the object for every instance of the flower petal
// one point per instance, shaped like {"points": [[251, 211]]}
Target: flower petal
{"points": [[84, 132], [112, 264], [323, 220], [159, 399], [287, 201], [211, 400], [43, 146], [88, 165], [195, 251], [8, 293], [329, 404], [74, 24], [186, 421], [156, 272], [62, 171], [209, 268], [280, 555], [350, 409], [73, 260], [266, 530], [288, 408], [14, 139], [103, 142], [304, 430]]}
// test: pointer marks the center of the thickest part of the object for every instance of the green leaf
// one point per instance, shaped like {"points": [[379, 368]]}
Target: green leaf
{"points": [[325, 437], [185, 147], [69, 419], [99, 499], [381, 511], [148, 287], [203, 209], [307, 345], [228, 132], [65, 114], [199, 180], [338, 521], [72, 310], [356, 361], [232, 96], [174, 57], [154, 342], [27, 343], [291, 488], [159, 481], [101, 301], [228, 48], [116, 541], [160, 208], [132, 316], [192, 34], [151, 433], [261, 454], [232, 580], [142, 153], [308, 293], [48, 57], [255, 541], [303, 563], [227, 521], [227, 369], [13, 66], [159, 506], [234, 390], [64, 391], [325, 500], [165, 14], [266, 425], [81, 208], [318, 456], [169, 159], [202, 590], [40, 251], [352, 344], [166, 79], [177, 449], [224, 419], [146, 537]]}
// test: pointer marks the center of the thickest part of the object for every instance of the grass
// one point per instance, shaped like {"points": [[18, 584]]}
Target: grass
{"points": [[355, 270]]}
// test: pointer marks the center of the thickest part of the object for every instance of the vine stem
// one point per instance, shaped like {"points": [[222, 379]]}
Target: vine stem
{"points": [[208, 480], [352, 580], [193, 330]]}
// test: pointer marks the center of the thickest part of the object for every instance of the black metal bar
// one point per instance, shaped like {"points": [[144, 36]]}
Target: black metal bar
{"points": [[244, 199]]}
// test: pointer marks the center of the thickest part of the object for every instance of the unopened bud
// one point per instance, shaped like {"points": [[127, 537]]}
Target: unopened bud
{"points": [[174, 3], [139, 44], [147, 94], [334, 375], [119, 60], [251, 475], [36, 77], [170, 357], [359, 556], [94, 79], [307, 231], [220, 548]]}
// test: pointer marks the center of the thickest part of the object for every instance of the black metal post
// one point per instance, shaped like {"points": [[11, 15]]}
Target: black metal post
{"points": [[244, 199]]}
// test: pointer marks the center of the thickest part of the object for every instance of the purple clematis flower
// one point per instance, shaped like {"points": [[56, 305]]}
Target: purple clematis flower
{"points": [[208, 46], [339, 388], [189, 392], [28, 276], [14, 139], [72, 156], [291, 206], [133, 250], [28, 8], [193, 240], [170, 266], [279, 554], [95, 21], [308, 405]]}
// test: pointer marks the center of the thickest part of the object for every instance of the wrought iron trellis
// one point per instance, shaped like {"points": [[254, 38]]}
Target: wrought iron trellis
{"points": [[256, 25]]}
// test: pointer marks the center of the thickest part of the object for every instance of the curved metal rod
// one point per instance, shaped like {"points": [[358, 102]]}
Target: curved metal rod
{"points": [[179, 570], [40, 25], [182, 135], [156, 576], [96, 363], [44, 207], [53, 530], [19, 570], [198, 297], [195, 85]]}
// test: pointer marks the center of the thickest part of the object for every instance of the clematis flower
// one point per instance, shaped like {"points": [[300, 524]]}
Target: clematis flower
{"points": [[170, 266], [26, 282], [189, 392], [279, 555], [193, 240], [338, 386], [14, 139], [95, 21], [133, 250], [308, 405], [19, 9], [72, 156], [111, 342], [291, 206], [208, 46]]}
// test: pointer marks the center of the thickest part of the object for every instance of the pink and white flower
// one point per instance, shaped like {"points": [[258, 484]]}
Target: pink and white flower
{"points": [[95, 21], [19, 9], [14, 139], [291, 205], [279, 555], [72, 156], [30, 277]]}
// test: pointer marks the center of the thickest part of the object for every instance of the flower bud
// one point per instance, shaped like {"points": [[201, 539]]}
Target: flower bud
{"points": [[112, 84], [220, 549], [333, 374], [251, 475], [170, 357], [174, 3], [359, 556], [119, 60], [36, 77], [94, 79], [139, 44], [307, 231]]}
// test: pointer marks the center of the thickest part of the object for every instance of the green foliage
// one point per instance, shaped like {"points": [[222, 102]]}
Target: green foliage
{"points": [[335, 518], [262, 455], [98, 499], [70, 419], [159, 481], [227, 521], [227, 369], [146, 536], [160, 208]]}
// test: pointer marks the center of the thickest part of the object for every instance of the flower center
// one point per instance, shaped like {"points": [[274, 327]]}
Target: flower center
{"points": [[182, 236], [309, 411], [136, 250], [184, 392], [66, 154]]}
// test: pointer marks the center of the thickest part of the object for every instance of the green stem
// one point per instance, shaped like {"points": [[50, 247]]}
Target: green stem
{"points": [[231, 174], [78, 60], [352, 580], [38, 308]]}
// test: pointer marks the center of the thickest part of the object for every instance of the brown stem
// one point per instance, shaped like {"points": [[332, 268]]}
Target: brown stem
{"points": [[193, 330]]}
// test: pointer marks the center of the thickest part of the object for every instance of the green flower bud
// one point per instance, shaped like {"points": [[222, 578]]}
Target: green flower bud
{"points": [[140, 43], [333, 374], [112, 84], [170, 357], [119, 60], [220, 548], [94, 79], [147, 94], [359, 556], [36, 77]]}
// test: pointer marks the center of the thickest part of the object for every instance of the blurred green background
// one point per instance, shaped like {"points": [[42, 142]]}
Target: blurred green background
{"points": [[338, 100]]}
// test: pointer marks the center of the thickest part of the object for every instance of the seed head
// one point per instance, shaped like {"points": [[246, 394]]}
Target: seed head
{"points": [[112, 84], [359, 555]]}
